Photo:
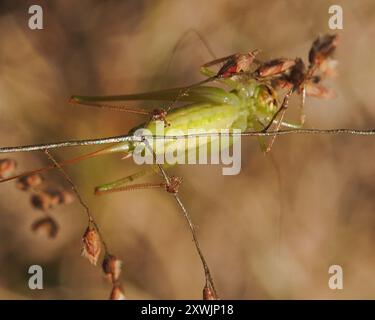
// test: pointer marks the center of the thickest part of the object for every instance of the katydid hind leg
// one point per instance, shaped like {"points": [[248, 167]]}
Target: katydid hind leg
{"points": [[119, 184]]}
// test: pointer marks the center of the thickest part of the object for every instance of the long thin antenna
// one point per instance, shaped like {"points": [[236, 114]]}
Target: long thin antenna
{"points": [[71, 143], [180, 41], [120, 108]]}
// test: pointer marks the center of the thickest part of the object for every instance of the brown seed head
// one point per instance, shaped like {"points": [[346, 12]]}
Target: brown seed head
{"points": [[112, 267], [275, 67], [117, 293], [66, 197], [28, 182], [245, 61], [298, 73], [91, 245], [322, 48], [42, 201], [318, 91], [281, 84], [7, 168], [208, 293], [48, 224]]}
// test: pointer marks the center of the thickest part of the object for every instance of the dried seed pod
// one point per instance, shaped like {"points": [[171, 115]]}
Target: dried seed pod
{"points": [[42, 201], [328, 68], [60, 196], [280, 83], [322, 48], [174, 184], [236, 63], [208, 293], [91, 245], [318, 91], [48, 224], [54, 195], [297, 73], [275, 67], [117, 293], [27, 182], [66, 197], [112, 267], [7, 168]]}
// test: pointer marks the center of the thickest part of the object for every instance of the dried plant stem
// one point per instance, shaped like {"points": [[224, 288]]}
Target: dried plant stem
{"points": [[123, 138], [83, 204], [207, 273]]}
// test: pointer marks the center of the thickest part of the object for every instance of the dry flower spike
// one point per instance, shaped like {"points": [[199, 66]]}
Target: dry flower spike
{"points": [[91, 245]]}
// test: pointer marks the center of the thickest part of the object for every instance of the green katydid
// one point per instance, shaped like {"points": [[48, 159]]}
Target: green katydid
{"points": [[249, 102]]}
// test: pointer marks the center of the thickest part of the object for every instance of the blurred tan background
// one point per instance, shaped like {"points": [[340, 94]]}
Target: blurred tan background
{"points": [[261, 241]]}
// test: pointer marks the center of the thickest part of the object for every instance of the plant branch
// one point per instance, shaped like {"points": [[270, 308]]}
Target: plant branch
{"points": [[124, 138], [81, 201], [207, 273]]}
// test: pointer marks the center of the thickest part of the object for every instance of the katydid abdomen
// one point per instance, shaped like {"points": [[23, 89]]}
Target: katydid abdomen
{"points": [[197, 118]]}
